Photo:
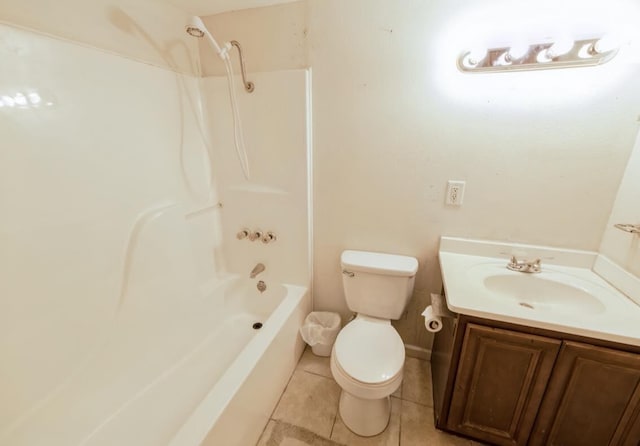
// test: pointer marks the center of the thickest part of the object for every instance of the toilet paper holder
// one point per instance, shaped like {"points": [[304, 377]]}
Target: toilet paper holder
{"points": [[434, 313]]}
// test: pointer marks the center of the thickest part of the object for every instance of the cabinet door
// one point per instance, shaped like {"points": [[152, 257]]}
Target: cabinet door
{"points": [[593, 399], [500, 381]]}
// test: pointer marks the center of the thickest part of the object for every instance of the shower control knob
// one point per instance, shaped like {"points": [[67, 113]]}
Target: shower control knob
{"points": [[255, 235], [268, 237], [243, 234]]}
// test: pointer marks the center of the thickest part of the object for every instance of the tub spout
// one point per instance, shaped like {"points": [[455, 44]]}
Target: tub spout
{"points": [[256, 270]]}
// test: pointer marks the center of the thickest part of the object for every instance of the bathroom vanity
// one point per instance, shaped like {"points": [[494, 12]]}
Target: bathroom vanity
{"points": [[531, 359], [514, 385]]}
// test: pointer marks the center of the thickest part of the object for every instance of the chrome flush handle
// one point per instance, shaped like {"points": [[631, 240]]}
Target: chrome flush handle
{"points": [[348, 273]]}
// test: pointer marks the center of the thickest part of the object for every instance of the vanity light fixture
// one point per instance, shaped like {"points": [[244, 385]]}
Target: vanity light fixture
{"points": [[564, 53]]}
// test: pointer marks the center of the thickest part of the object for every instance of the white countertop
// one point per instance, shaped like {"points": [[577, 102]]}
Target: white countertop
{"points": [[465, 263]]}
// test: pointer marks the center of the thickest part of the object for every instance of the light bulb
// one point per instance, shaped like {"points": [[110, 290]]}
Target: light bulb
{"points": [[606, 43], [8, 101], [20, 99], [543, 56], [34, 98], [517, 51], [475, 56], [560, 47], [502, 60]]}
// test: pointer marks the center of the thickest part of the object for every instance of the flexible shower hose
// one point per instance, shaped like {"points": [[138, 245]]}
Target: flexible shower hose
{"points": [[241, 150]]}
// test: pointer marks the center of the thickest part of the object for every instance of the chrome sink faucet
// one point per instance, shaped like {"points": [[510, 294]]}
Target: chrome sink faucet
{"points": [[524, 266], [256, 270]]}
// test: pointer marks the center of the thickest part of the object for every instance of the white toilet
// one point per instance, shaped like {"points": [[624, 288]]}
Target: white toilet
{"points": [[368, 356]]}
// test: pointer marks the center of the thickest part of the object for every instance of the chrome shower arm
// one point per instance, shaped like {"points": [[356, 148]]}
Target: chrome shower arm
{"points": [[249, 86]]}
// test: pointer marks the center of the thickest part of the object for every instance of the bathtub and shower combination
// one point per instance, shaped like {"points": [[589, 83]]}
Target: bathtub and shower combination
{"points": [[159, 352], [179, 363]]}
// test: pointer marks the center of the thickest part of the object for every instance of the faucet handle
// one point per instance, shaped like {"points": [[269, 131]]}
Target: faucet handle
{"points": [[268, 237], [242, 234], [255, 235]]}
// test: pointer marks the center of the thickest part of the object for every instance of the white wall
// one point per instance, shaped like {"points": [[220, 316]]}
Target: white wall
{"points": [[393, 121], [274, 120], [115, 136], [272, 38], [275, 123], [110, 139], [542, 153], [208, 7], [622, 247], [146, 30]]}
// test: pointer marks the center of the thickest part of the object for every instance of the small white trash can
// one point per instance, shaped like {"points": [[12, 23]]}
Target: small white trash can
{"points": [[320, 330]]}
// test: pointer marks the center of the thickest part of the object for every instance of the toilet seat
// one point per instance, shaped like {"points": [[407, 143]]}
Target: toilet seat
{"points": [[360, 389], [369, 351]]}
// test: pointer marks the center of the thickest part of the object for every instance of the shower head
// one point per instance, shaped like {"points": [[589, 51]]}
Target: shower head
{"points": [[195, 32], [195, 27]]}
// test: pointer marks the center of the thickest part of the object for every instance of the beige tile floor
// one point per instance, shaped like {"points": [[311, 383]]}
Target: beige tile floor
{"points": [[307, 413]]}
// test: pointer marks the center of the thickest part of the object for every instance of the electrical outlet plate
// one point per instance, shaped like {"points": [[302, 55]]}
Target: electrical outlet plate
{"points": [[455, 192]]}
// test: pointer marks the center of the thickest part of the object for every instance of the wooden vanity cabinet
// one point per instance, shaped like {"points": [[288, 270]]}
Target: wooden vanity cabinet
{"points": [[512, 385], [593, 398], [501, 378]]}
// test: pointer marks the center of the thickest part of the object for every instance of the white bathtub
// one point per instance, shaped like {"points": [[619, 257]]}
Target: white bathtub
{"points": [[188, 373]]}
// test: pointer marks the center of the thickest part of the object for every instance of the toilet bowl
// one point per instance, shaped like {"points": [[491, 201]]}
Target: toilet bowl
{"points": [[367, 363], [367, 359]]}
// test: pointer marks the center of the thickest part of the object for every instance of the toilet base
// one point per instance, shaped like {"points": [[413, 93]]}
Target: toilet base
{"points": [[362, 416]]}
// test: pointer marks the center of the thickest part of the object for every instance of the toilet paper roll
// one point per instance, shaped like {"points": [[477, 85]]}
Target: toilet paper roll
{"points": [[440, 306], [432, 321]]}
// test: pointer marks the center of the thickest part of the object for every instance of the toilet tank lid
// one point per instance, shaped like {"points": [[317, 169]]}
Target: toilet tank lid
{"points": [[379, 263]]}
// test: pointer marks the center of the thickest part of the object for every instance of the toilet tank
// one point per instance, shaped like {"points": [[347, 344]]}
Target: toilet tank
{"points": [[377, 284]]}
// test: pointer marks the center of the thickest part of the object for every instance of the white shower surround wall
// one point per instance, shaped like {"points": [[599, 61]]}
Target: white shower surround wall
{"points": [[89, 359], [275, 117], [197, 368]]}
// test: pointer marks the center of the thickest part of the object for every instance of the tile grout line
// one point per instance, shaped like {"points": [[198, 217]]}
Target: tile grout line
{"points": [[282, 394], [316, 373], [335, 419], [400, 423], [264, 429], [284, 391], [278, 403], [419, 404]]}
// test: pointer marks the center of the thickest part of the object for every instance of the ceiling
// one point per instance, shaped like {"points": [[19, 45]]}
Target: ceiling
{"points": [[209, 7]]}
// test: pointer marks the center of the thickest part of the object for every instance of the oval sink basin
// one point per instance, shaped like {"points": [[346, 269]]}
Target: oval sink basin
{"points": [[538, 293], [549, 291]]}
